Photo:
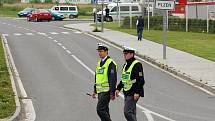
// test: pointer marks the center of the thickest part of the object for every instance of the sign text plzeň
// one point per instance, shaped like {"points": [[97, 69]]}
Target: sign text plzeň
{"points": [[165, 4]]}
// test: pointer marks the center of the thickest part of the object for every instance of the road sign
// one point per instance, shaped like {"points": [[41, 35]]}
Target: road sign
{"points": [[165, 4]]}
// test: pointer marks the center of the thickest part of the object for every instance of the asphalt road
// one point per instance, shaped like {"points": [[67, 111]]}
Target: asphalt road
{"points": [[56, 68]]}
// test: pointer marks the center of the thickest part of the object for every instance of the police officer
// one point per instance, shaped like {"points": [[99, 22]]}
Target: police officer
{"points": [[132, 81], [105, 82]]}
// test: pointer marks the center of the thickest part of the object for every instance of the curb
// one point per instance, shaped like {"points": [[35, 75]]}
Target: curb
{"points": [[162, 66], [15, 116]]}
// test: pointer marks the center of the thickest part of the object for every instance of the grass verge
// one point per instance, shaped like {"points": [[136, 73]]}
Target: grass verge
{"points": [[7, 102], [199, 44]]}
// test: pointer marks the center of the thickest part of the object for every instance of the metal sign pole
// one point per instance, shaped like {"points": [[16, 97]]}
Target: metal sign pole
{"points": [[102, 19], [164, 33]]}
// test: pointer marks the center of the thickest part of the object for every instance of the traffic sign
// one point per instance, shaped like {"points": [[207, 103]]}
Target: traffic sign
{"points": [[165, 4]]}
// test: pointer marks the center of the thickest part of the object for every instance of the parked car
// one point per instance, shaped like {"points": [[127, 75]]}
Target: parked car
{"points": [[56, 15], [123, 11], [67, 10], [39, 15], [25, 12]]}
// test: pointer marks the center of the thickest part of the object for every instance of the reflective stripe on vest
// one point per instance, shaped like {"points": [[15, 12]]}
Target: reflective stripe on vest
{"points": [[126, 76], [102, 84]]}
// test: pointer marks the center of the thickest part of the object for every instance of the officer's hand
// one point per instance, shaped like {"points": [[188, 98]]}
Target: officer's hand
{"points": [[117, 93], [136, 97], [94, 95], [112, 96]]}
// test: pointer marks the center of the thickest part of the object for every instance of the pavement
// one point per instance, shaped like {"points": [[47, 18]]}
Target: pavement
{"points": [[185, 65]]}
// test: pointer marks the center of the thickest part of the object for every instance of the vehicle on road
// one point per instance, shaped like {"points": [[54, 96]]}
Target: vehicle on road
{"points": [[68, 11], [124, 10], [25, 12], [56, 15], [39, 15]]}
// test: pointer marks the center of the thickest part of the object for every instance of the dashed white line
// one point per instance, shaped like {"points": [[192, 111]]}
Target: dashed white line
{"points": [[29, 34], [17, 34], [65, 32], [59, 44], [53, 33], [40, 33], [68, 51], [85, 66], [5, 35], [64, 47], [77, 32], [50, 37], [55, 40]]}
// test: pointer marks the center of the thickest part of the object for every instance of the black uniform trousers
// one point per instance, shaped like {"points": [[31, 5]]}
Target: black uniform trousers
{"points": [[130, 108], [103, 106]]}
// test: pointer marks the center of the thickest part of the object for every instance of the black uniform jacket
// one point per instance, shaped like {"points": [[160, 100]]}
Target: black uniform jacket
{"points": [[112, 76], [136, 73]]}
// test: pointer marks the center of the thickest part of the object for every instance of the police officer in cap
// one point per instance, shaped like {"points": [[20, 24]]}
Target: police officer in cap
{"points": [[105, 82], [132, 81]]}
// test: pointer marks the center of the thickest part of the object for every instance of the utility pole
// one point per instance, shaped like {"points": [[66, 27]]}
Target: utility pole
{"points": [[102, 19]]}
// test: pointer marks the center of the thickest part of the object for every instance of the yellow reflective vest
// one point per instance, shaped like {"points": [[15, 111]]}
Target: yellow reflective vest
{"points": [[126, 76], [102, 82]]}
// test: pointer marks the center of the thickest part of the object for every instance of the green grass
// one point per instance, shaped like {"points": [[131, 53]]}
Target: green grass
{"points": [[199, 44], [9, 11], [85, 17], [7, 102]]}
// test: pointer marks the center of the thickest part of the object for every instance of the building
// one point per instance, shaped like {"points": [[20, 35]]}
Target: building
{"points": [[83, 1]]}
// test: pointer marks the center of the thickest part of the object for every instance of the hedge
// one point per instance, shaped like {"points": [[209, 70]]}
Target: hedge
{"points": [[175, 24]]}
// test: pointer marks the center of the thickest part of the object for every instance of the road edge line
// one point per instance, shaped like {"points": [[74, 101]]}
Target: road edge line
{"points": [[9, 66]]}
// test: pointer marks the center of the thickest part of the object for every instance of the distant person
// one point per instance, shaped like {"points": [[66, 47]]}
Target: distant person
{"points": [[140, 26], [94, 14], [107, 11]]}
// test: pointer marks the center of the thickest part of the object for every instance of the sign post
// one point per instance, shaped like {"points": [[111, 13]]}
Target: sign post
{"points": [[164, 5]]}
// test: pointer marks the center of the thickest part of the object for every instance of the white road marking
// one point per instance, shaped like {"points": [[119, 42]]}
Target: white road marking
{"points": [[189, 83], [30, 112], [53, 33], [148, 115], [29, 34], [64, 47], [65, 32], [40, 33], [59, 44], [50, 37], [65, 28], [77, 32], [84, 65], [5, 35], [29, 107], [20, 27], [55, 40], [17, 34], [68, 51]]}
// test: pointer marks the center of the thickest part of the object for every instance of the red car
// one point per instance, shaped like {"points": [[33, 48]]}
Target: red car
{"points": [[39, 15]]}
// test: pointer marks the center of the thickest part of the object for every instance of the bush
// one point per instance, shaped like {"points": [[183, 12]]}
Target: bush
{"points": [[48, 1], [35, 1]]}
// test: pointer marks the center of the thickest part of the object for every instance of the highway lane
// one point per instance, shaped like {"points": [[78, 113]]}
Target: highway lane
{"points": [[57, 83]]}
